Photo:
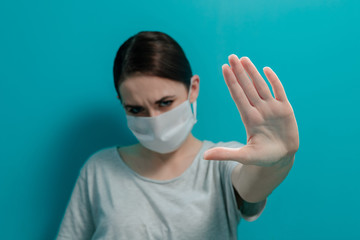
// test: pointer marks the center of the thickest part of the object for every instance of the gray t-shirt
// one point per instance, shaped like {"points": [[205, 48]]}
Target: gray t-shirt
{"points": [[111, 201]]}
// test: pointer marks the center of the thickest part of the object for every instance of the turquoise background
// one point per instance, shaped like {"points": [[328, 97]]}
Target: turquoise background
{"points": [[58, 103]]}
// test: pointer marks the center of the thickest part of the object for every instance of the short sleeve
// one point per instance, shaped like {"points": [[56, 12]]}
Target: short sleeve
{"points": [[77, 222], [251, 211]]}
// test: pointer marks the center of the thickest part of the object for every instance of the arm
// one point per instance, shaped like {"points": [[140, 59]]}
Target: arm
{"points": [[254, 183]]}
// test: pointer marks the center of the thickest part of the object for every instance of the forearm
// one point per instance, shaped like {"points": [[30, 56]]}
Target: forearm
{"points": [[255, 183]]}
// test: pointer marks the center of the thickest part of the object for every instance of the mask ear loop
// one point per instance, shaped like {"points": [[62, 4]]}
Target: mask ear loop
{"points": [[194, 103], [194, 108]]}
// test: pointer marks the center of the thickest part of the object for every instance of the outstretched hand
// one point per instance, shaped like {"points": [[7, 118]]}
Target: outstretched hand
{"points": [[271, 128]]}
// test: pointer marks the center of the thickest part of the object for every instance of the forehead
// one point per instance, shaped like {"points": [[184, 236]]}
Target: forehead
{"points": [[141, 87]]}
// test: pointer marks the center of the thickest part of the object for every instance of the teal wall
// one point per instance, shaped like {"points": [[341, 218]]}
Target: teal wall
{"points": [[58, 104]]}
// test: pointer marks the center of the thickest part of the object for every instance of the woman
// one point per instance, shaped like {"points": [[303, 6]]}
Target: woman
{"points": [[164, 187]]}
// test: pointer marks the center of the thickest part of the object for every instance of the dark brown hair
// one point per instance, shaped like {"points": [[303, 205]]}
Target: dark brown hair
{"points": [[151, 53]]}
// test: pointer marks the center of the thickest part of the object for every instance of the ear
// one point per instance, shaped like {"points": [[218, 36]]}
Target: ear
{"points": [[195, 87]]}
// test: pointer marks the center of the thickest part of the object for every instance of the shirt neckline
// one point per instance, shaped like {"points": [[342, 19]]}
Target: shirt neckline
{"points": [[192, 165]]}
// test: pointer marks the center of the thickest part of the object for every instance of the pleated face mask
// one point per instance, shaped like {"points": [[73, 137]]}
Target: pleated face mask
{"points": [[166, 132]]}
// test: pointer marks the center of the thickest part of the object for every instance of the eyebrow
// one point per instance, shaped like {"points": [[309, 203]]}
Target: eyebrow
{"points": [[158, 101]]}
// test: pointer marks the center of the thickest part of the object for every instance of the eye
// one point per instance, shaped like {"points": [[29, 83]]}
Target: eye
{"points": [[166, 103], [135, 110]]}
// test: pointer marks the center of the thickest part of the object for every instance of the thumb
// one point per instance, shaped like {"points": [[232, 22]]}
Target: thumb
{"points": [[225, 153]]}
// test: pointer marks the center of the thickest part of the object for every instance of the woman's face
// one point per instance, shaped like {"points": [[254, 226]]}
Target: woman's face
{"points": [[149, 96]]}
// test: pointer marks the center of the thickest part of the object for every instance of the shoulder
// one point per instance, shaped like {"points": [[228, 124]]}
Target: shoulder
{"points": [[101, 157], [102, 154]]}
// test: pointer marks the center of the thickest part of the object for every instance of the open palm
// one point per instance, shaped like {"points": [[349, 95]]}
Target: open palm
{"points": [[271, 128]]}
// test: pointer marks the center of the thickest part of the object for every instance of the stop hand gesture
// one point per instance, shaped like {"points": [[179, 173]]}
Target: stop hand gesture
{"points": [[271, 128]]}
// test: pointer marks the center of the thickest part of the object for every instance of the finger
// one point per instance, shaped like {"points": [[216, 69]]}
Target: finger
{"points": [[276, 85], [244, 81], [241, 155], [260, 84], [235, 90]]}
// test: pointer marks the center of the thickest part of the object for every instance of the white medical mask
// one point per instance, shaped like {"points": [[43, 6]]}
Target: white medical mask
{"points": [[166, 132]]}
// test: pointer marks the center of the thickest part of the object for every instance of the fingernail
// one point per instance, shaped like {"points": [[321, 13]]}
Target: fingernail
{"points": [[233, 54]]}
